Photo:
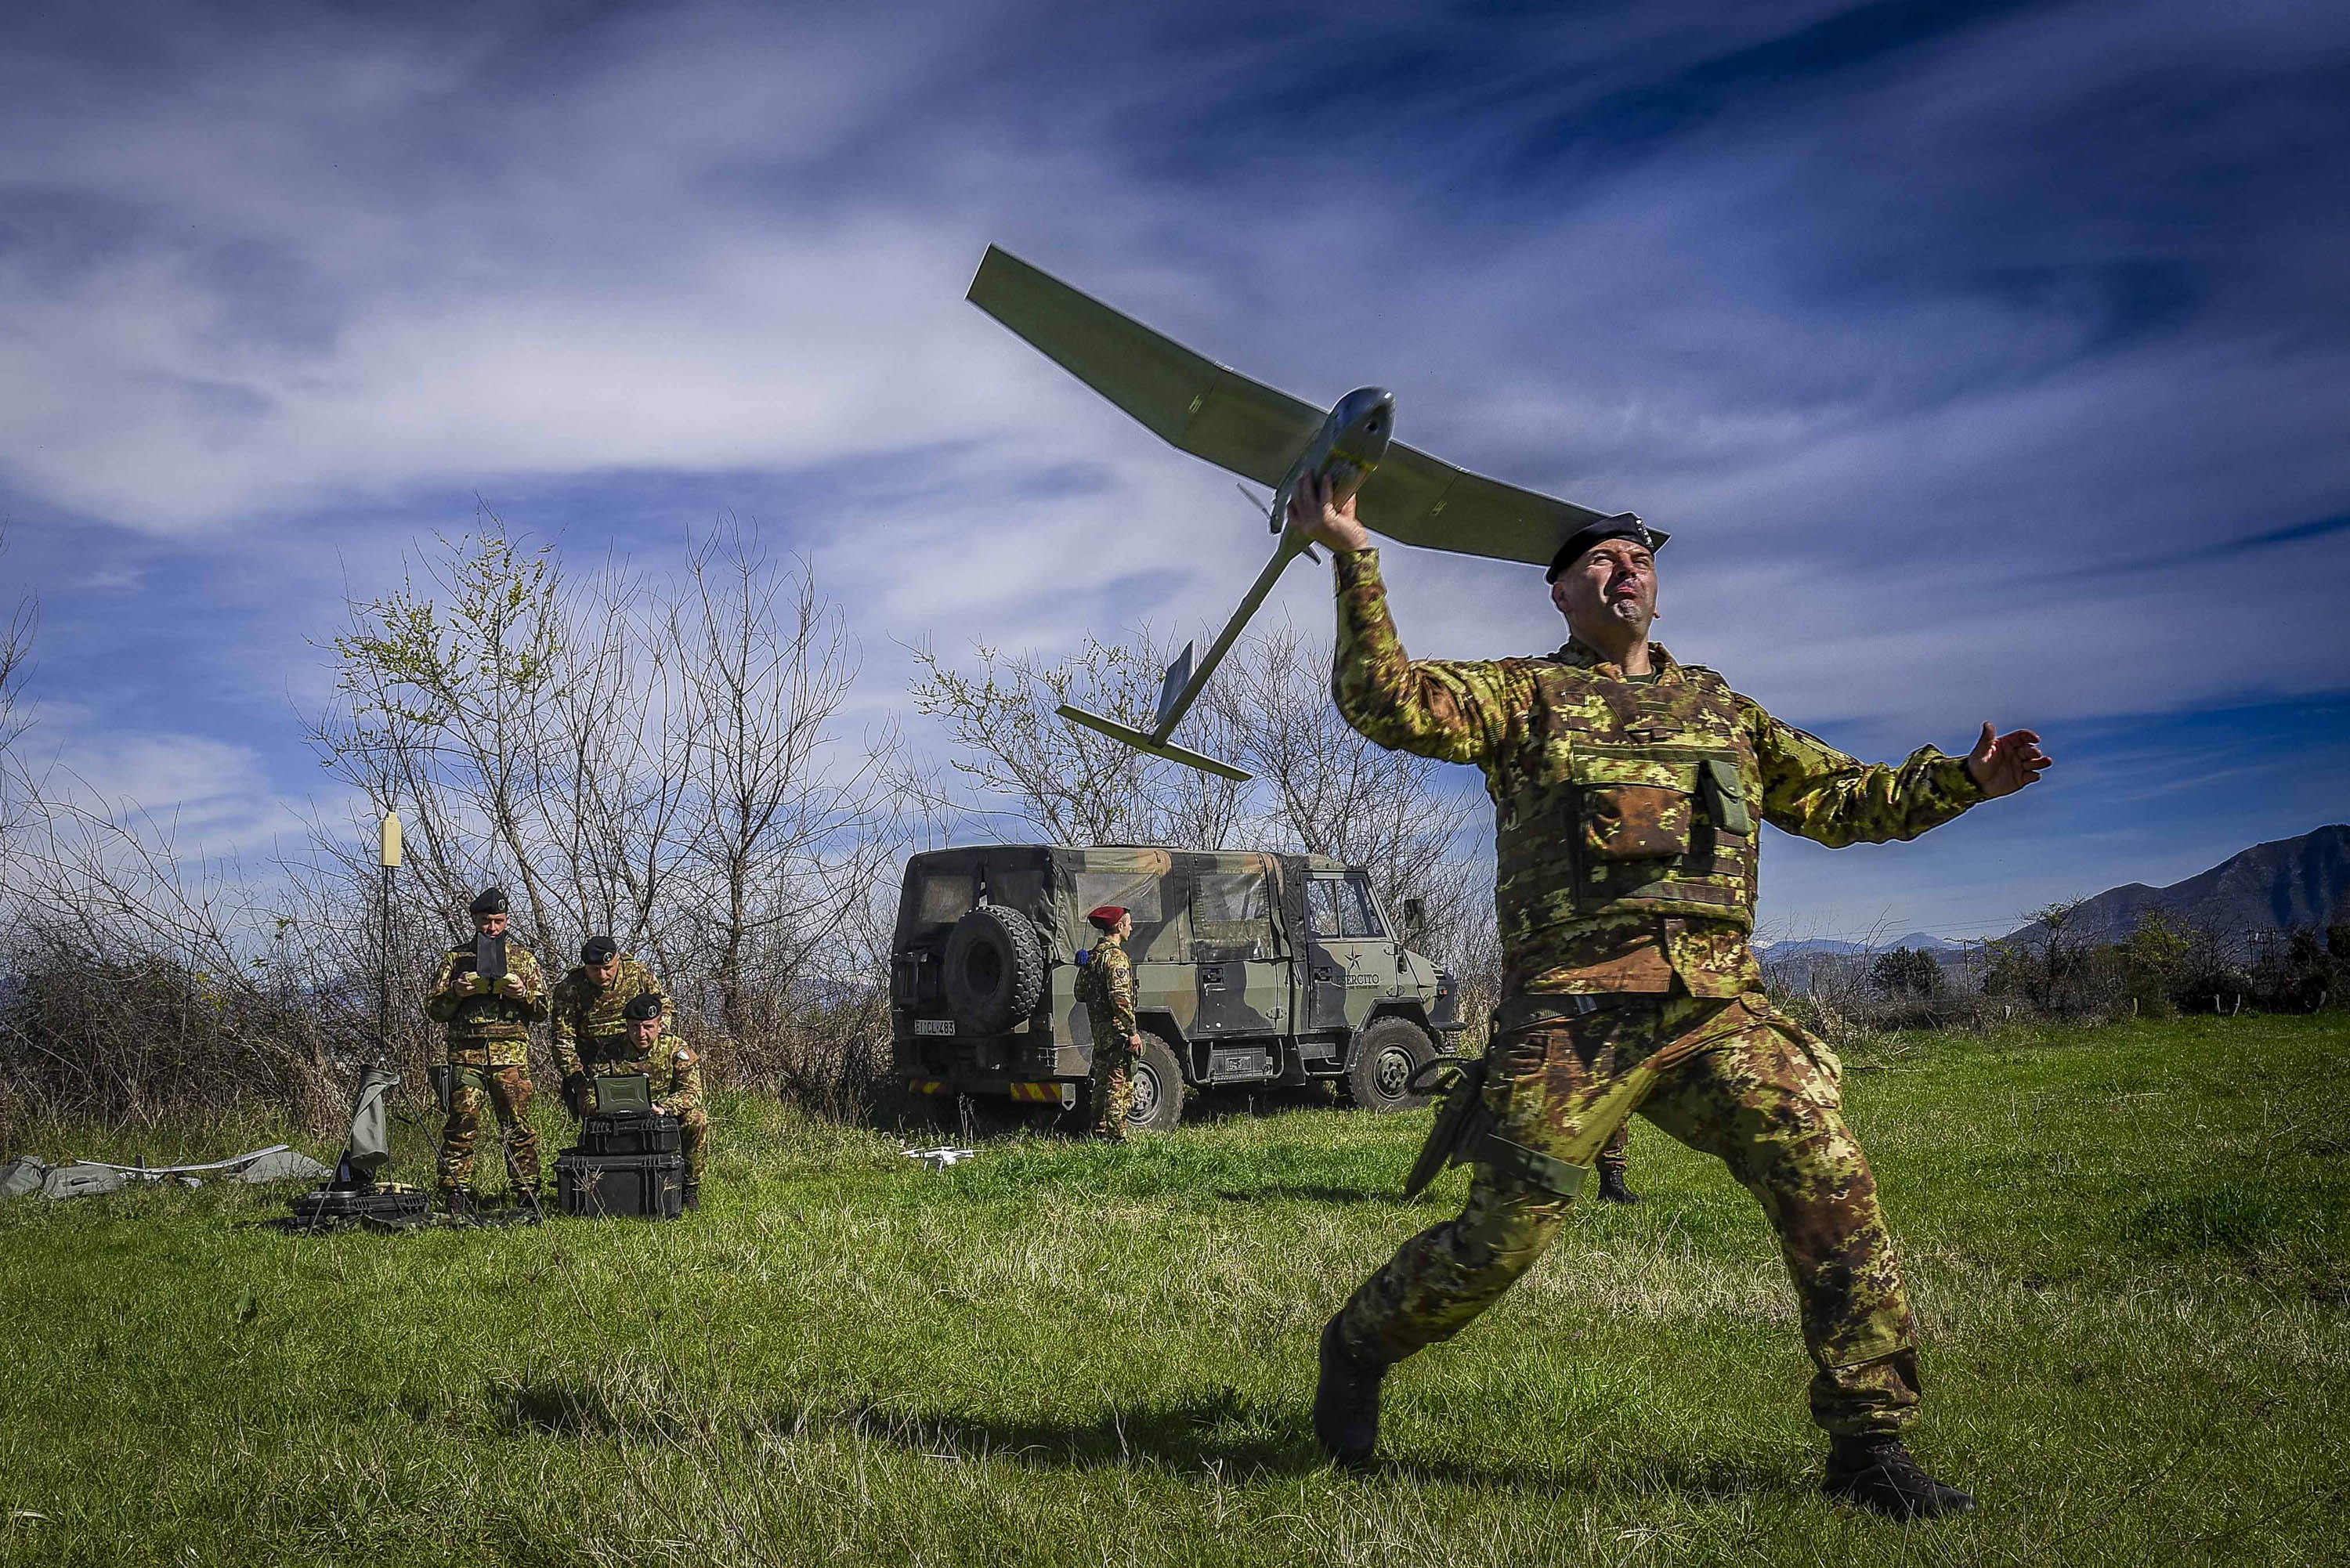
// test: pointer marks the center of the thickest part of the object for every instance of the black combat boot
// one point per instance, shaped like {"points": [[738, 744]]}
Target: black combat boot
{"points": [[457, 1203], [692, 1196], [1878, 1473], [1347, 1402], [1612, 1188]]}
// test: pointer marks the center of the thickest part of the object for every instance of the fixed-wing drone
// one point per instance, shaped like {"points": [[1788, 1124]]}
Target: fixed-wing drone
{"points": [[1208, 410]]}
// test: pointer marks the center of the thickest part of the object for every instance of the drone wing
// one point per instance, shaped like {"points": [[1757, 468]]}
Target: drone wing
{"points": [[1188, 400], [1421, 500]]}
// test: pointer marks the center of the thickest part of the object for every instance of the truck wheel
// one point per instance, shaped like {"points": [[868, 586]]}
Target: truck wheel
{"points": [[1158, 1080], [994, 969], [1386, 1055]]}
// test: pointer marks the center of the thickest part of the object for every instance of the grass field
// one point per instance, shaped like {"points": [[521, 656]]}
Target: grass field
{"points": [[2130, 1249]]}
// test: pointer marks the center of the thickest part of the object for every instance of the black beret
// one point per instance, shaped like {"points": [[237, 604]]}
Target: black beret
{"points": [[1623, 526], [643, 1005], [493, 901], [596, 949]]}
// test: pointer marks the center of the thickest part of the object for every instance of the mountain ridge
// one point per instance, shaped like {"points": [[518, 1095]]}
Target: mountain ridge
{"points": [[2303, 881]]}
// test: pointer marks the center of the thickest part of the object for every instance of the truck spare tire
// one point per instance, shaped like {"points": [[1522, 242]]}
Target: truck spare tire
{"points": [[994, 969]]}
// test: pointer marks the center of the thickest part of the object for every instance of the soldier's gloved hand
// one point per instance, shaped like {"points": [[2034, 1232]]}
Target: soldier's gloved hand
{"points": [[512, 985]]}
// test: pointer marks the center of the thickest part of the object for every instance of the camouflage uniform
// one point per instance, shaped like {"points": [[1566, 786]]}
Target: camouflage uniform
{"points": [[587, 1027], [1625, 888], [1105, 985], [489, 1053]]}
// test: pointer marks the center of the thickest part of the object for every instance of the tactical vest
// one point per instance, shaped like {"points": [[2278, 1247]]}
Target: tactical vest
{"points": [[1632, 798]]}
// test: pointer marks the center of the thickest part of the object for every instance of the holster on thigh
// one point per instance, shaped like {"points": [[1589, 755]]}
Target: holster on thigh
{"points": [[448, 1077], [1523, 1138]]}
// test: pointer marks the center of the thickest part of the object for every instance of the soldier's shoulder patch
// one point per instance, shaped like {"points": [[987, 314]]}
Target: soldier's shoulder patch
{"points": [[683, 1056]]}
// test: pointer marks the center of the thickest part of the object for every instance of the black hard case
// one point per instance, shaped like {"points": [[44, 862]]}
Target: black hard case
{"points": [[628, 1132], [637, 1186], [334, 1205]]}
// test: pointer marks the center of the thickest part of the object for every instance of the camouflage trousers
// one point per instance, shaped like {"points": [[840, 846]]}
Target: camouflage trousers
{"points": [[693, 1140], [1615, 1154], [1112, 1093], [1733, 1079], [505, 1090]]}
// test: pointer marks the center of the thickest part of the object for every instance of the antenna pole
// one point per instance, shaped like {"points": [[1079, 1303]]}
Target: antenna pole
{"points": [[389, 857]]}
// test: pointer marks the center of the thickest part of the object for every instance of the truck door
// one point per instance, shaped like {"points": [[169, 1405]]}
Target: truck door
{"points": [[1348, 950], [1244, 983]]}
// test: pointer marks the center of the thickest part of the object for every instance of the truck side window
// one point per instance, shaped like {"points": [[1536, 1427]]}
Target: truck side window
{"points": [[1321, 909], [1161, 935], [1359, 914], [1231, 917]]}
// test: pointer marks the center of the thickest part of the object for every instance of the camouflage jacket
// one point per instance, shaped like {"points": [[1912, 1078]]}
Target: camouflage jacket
{"points": [[1105, 985], [479, 1017], [1624, 809], [588, 1022], [673, 1069]]}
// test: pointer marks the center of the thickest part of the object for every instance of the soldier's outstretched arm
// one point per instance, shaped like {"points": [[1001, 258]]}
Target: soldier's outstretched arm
{"points": [[1816, 791], [1456, 713]]}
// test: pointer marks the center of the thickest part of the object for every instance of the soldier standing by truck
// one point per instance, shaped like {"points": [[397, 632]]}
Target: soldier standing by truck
{"points": [[1105, 985], [1627, 789], [589, 1023], [487, 1009]]}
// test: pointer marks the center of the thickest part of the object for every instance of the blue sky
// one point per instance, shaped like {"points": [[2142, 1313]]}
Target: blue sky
{"points": [[1987, 361]]}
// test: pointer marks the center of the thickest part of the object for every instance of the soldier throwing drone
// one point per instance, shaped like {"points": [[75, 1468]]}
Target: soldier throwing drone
{"points": [[1627, 789]]}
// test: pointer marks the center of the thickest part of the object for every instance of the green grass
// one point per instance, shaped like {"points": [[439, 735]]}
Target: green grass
{"points": [[2130, 1249]]}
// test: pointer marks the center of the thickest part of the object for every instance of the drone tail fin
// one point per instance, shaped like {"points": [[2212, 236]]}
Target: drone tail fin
{"points": [[1178, 676]]}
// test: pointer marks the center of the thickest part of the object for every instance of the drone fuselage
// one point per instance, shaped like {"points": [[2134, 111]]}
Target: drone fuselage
{"points": [[1352, 438]]}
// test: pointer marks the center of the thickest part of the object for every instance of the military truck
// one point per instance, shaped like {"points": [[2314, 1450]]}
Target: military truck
{"points": [[1249, 968]]}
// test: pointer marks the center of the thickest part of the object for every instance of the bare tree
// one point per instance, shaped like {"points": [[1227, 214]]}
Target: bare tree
{"points": [[791, 823], [1329, 790], [440, 685], [16, 710], [1016, 758]]}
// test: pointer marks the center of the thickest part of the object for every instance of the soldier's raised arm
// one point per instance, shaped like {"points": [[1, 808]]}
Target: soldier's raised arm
{"points": [[1456, 713]]}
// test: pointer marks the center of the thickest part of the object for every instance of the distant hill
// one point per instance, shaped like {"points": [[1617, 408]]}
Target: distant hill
{"points": [[2302, 881], [1829, 947]]}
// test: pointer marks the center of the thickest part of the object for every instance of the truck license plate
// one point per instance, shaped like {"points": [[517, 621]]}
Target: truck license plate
{"points": [[933, 1025]]}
